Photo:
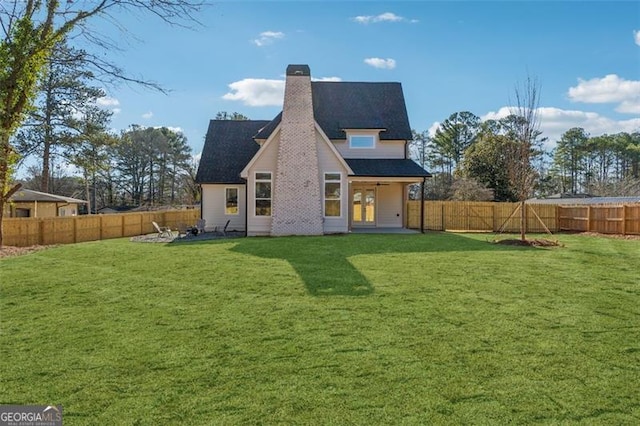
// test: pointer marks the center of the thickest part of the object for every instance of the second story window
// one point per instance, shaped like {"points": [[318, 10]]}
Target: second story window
{"points": [[362, 141]]}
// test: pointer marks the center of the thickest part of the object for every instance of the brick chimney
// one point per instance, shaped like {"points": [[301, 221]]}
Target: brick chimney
{"points": [[297, 201]]}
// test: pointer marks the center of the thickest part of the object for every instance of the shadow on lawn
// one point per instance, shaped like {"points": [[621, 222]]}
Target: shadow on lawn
{"points": [[323, 262]]}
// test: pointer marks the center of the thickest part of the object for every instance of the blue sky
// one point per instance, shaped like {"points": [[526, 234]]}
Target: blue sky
{"points": [[449, 57]]}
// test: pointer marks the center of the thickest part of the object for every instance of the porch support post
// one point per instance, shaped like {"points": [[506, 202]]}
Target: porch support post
{"points": [[422, 205]]}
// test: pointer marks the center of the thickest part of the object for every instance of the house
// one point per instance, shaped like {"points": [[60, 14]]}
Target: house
{"points": [[29, 203], [334, 160]]}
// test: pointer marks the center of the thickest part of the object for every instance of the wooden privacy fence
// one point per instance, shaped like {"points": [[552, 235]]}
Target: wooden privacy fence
{"points": [[494, 217], [23, 232], [606, 219], [480, 216]]}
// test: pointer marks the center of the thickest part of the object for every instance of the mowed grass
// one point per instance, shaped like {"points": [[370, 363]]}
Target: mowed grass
{"points": [[353, 329]]}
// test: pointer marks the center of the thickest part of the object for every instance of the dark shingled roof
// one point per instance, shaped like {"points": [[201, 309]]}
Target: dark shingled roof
{"points": [[339, 105], [376, 167], [228, 148]]}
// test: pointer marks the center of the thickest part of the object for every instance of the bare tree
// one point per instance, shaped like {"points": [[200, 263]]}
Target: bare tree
{"points": [[31, 28], [524, 130]]}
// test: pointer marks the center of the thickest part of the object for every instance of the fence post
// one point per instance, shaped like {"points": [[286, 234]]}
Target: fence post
{"points": [[101, 232], [40, 232], [75, 229], [624, 219], [588, 218], [442, 216]]}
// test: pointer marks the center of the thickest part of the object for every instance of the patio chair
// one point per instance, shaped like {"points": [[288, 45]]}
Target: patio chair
{"points": [[200, 225], [163, 231], [223, 231]]}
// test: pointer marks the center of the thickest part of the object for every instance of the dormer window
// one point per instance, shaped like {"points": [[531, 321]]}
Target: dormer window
{"points": [[362, 141]]}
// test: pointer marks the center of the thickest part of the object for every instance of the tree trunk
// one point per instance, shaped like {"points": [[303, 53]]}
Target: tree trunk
{"points": [[523, 221], [87, 192], [44, 179]]}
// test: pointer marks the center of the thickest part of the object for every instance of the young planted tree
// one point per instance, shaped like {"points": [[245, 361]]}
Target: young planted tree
{"points": [[524, 131]]}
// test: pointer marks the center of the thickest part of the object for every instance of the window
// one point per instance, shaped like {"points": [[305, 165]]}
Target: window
{"points": [[263, 194], [231, 201], [362, 141], [332, 191]]}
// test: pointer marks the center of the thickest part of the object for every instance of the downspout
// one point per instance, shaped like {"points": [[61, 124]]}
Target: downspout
{"points": [[246, 208], [201, 200], [422, 205]]}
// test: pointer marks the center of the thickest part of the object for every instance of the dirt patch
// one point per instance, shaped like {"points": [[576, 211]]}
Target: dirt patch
{"points": [[10, 251], [155, 238], [538, 242]]}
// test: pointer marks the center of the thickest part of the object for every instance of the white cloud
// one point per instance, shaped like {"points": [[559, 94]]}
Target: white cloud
{"points": [[383, 17], [388, 63], [147, 115], [172, 128], [636, 37], [434, 128], [609, 89], [326, 79], [175, 129], [555, 121], [256, 92], [259, 92], [267, 37], [107, 101]]}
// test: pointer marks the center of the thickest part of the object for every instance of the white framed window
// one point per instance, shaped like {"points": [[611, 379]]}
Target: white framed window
{"points": [[362, 141], [263, 193], [231, 201], [332, 194]]}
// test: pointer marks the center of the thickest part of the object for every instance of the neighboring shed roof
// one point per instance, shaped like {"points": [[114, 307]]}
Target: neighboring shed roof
{"points": [[355, 105], [28, 195], [585, 200], [386, 168], [228, 147]]}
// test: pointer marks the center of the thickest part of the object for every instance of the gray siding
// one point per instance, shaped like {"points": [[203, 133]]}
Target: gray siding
{"points": [[390, 205], [329, 163], [213, 207], [267, 162]]}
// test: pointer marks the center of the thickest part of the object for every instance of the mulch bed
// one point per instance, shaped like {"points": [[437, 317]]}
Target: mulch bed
{"points": [[10, 251], [538, 242]]}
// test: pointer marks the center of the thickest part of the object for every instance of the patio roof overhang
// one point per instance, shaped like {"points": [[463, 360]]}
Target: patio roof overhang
{"points": [[388, 169]]}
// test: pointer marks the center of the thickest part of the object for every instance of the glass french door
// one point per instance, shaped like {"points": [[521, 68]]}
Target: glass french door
{"points": [[364, 206]]}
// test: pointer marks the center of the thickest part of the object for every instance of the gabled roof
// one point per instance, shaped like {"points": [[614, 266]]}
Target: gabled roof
{"points": [[228, 147], [377, 167], [339, 105], [28, 195]]}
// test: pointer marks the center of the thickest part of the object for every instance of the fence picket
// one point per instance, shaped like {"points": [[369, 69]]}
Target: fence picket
{"points": [[23, 232]]}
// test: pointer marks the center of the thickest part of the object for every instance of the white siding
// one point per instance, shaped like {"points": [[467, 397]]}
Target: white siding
{"points": [[389, 204], [329, 163], [213, 207], [383, 149], [267, 162]]}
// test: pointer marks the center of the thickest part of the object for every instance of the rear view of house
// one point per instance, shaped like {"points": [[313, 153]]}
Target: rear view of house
{"points": [[335, 159]]}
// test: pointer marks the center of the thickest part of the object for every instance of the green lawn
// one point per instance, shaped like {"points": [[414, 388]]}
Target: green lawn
{"points": [[355, 329]]}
